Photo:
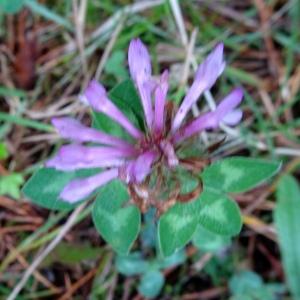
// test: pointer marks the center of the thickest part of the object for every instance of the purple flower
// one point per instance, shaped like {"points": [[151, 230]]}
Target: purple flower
{"points": [[154, 149]]}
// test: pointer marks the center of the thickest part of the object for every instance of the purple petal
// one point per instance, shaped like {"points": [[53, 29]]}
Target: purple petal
{"points": [[206, 121], [229, 103], [126, 172], [97, 98], [225, 111], [78, 189], [212, 67], [145, 90], [137, 170], [160, 100], [140, 71], [206, 75], [72, 157], [96, 95], [139, 61], [169, 152], [70, 128], [143, 164], [233, 118]]}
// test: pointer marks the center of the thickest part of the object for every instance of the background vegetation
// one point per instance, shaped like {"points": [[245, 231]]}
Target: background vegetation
{"points": [[51, 49]]}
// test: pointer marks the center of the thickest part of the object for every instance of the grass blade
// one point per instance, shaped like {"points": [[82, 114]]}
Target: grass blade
{"points": [[287, 222], [47, 13]]}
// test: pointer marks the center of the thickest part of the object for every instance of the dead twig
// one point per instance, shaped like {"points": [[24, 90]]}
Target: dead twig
{"points": [[74, 287]]}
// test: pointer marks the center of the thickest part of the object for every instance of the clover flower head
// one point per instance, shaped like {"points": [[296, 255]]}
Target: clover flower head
{"points": [[156, 147]]}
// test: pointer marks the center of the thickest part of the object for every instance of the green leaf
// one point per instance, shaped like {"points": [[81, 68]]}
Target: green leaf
{"points": [[151, 284], [132, 264], [11, 6], [45, 185], [115, 65], [118, 225], [126, 99], [287, 222], [3, 151], [238, 174], [176, 226], [206, 240], [10, 185], [248, 285], [219, 214], [245, 282], [106, 124], [125, 95]]}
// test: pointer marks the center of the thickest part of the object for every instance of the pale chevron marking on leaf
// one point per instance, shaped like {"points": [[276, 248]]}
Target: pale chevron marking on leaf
{"points": [[235, 173]]}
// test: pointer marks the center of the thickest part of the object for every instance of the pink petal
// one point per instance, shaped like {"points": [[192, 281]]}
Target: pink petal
{"points": [[95, 94], [139, 61], [206, 75], [97, 98], [78, 189], [126, 172], [205, 121], [143, 164], [145, 89], [160, 101], [72, 157], [70, 128], [136, 171], [140, 70], [225, 111], [230, 102], [233, 118], [212, 67], [169, 152]]}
